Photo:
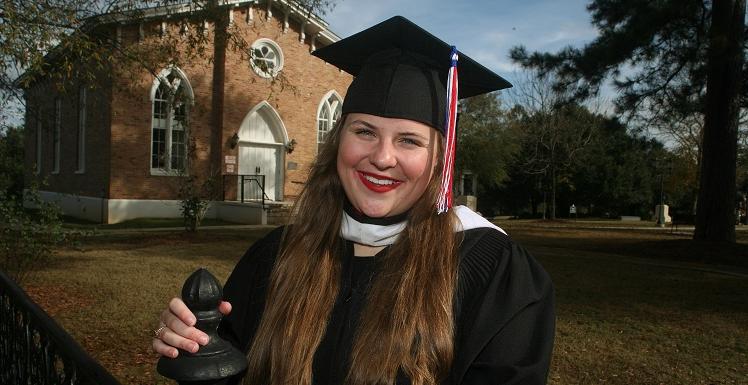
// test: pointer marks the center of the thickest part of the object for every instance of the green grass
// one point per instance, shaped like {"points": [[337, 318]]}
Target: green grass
{"points": [[634, 307]]}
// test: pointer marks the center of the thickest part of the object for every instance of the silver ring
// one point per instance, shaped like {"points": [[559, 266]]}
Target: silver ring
{"points": [[158, 332]]}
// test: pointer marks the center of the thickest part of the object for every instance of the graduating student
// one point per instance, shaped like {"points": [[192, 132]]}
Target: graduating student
{"points": [[379, 280]]}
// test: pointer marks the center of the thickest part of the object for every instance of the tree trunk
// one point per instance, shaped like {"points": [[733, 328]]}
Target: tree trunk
{"points": [[553, 191], [715, 211], [217, 102]]}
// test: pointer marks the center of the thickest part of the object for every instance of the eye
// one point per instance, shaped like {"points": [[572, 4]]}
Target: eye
{"points": [[363, 132], [409, 141]]}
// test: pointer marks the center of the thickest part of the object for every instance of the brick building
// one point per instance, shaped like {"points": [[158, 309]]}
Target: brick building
{"points": [[114, 150]]}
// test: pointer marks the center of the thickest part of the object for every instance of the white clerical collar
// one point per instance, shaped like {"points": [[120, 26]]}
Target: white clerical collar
{"points": [[384, 231]]}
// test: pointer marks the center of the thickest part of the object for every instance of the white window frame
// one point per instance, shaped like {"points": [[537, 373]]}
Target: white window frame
{"points": [[331, 104], [56, 138], [276, 50], [39, 132], [81, 140], [181, 81]]}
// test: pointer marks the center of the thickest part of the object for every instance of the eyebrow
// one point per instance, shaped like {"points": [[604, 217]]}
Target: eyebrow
{"points": [[363, 122], [406, 133]]}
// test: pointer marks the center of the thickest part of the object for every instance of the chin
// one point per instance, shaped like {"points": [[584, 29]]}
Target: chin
{"points": [[376, 212]]}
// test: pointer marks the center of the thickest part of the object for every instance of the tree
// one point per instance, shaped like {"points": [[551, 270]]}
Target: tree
{"points": [[715, 210], [554, 131], [663, 58], [617, 173], [487, 138], [11, 162]]}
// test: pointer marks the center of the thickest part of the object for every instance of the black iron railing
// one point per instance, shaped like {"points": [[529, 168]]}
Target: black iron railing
{"points": [[34, 349], [252, 188]]}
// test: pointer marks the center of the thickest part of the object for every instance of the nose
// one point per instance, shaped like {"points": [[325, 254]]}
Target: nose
{"points": [[383, 155]]}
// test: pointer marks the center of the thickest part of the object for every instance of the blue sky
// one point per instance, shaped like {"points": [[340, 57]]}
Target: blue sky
{"points": [[485, 30]]}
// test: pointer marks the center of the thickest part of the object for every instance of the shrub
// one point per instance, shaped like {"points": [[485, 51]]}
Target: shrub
{"points": [[28, 236]]}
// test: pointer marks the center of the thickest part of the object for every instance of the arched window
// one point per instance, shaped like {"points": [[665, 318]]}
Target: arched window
{"points": [[171, 95], [328, 114]]}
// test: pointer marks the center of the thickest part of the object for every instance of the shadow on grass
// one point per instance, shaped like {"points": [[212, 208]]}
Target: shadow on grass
{"points": [[622, 287], [641, 244]]}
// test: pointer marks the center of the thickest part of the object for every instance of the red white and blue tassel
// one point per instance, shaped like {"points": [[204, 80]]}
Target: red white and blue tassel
{"points": [[444, 202]]}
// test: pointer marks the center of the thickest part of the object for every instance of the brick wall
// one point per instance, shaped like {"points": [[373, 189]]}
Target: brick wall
{"points": [[309, 80], [40, 102], [306, 80]]}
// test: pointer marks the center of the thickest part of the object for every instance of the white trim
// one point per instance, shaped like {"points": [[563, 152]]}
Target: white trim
{"points": [[297, 13], [162, 77], [118, 33], [56, 137], [39, 141], [265, 106], [250, 14], [277, 51], [80, 154]]}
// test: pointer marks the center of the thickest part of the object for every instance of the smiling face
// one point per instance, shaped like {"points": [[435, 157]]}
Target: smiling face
{"points": [[385, 164]]}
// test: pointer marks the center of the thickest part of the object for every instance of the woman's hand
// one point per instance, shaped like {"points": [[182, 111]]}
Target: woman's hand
{"points": [[178, 329]]}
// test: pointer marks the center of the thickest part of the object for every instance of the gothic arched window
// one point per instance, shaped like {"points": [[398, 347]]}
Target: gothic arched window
{"points": [[328, 114], [171, 95]]}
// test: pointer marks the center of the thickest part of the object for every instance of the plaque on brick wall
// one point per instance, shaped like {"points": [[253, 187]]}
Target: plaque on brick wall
{"points": [[230, 159], [229, 169]]}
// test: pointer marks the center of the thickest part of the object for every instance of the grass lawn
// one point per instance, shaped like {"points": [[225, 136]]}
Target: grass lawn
{"points": [[634, 306]]}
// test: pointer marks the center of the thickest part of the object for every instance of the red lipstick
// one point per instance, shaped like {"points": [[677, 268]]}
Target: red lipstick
{"points": [[381, 184]]}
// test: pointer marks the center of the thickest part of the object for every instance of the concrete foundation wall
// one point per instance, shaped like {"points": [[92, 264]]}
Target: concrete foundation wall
{"points": [[119, 210]]}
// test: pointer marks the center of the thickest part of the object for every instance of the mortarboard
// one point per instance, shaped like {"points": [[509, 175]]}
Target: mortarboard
{"points": [[402, 71]]}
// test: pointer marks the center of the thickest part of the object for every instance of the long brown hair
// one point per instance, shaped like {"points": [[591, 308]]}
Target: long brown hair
{"points": [[407, 323]]}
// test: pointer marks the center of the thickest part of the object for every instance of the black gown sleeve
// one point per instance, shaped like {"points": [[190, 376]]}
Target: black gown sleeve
{"points": [[520, 352], [508, 331]]}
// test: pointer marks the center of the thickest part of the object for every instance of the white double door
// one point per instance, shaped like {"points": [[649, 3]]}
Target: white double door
{"points": [[259, 159]]}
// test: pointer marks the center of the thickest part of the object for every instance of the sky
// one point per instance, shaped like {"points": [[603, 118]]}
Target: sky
{"points": [[485, 30]]}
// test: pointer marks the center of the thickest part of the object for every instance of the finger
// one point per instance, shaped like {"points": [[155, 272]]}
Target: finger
{"points": [[173, 339], [177, 326], [224, 307], [163, 349], [177, 307]]}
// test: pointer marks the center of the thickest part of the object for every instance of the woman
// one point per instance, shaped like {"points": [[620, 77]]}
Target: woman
{"points": [[370, 285]]}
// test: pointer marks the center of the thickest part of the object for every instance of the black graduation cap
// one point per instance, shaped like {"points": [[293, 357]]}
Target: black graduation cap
{"points": [[400, 71]]}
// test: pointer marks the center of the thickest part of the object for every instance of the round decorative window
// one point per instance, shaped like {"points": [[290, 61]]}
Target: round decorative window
{"points": [[266, 58]]}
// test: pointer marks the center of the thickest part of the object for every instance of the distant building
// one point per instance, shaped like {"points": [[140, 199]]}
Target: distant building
{"points": [[110, 151]]}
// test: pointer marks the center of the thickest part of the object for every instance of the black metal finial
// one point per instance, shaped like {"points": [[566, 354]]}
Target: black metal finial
{"points": [[218, 359]]}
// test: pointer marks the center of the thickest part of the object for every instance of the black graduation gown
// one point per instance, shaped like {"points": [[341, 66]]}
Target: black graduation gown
{"points": [[504, 311]]}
